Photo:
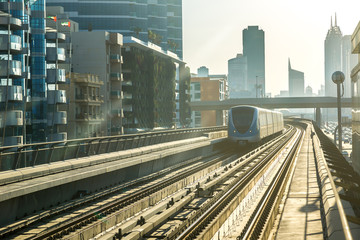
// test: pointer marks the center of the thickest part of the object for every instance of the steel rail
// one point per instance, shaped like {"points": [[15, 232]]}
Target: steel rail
{"points": [[255, 222], [193, 229], [124, 201], [344, 221]]}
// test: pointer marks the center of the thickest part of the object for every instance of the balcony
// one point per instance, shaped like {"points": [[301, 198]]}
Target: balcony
{"points": [[127, 96], [57, 118], [15, 23], [13, 140], [56, 97], [116, 76], [61, 37], [127, 109], [116, 94], [14, 68], [89, 117], [117, 113], [55, 76], [14, 118], [126, 83], [86, 78], [57, 137], [86, 98], [54, 54], [15, 43], [14, 93], [115, 58]]}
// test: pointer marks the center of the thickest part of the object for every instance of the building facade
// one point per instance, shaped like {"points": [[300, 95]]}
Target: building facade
{"points": [[30, 88], [348, 62], [237, 77], [355, 79], [207, 89], [296, 82], [104, 60], [254, 50], [152, 82], [85, 116], [131, 18]]}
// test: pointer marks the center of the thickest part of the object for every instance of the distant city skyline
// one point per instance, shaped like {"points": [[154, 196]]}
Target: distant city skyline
{"points": [[295, 30]]}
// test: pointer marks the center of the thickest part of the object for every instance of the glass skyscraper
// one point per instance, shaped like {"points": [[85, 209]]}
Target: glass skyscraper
{"points": [[254, 50], [24, 89], [130, 18], [37, 85]]}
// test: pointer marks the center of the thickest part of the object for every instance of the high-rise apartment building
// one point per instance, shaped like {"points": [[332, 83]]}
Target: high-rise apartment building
{"points": [[254, 50], [296, 82], [30, 107], [99, 53], [12, 84], [131, 18], [152, 86], [237, 77]]}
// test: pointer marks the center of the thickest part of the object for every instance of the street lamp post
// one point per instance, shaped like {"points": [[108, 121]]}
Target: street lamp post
{"points": [[338, 78]]}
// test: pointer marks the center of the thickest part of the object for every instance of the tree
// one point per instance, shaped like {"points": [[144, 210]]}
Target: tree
{"points": [[154, 37], [137, 31], [172, 45]]}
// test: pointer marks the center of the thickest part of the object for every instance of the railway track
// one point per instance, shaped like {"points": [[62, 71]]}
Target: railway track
{"points": [[169, 224], [205, 226], [197, 210], [94, 209], [138, 188]]}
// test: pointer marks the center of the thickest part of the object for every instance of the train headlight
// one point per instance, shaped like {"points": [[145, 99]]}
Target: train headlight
{"points": [[250, 131], [234, 131]]}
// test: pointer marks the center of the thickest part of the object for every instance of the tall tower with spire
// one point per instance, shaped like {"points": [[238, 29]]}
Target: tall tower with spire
{"points": [[332, 56]]}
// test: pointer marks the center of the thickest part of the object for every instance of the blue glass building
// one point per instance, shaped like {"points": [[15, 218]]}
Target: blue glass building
{"points": [[37, 85], [130, 18], [13, 70]]}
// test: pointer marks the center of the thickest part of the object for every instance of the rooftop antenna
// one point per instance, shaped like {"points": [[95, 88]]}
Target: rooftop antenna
{"points": [[335, 21], [331, 22]]}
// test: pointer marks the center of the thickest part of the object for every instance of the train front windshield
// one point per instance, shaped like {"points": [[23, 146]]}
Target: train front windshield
{"points": [[242, 118]]}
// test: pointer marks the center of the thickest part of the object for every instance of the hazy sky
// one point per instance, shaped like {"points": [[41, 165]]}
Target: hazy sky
{"points": [[212, 34]]}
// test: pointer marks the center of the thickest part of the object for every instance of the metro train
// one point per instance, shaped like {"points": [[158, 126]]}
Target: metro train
{"points": [[248, 124]]}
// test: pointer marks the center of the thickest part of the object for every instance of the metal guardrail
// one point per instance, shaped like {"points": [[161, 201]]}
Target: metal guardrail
{"points": [[20, 156], [342, 215]]}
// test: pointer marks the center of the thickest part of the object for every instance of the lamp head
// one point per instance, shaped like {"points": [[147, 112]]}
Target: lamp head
{"points": [[338, 77]]}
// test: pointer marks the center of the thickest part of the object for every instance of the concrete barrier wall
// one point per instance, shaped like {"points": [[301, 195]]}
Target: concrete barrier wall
{"points": [[332, 216], [24, 201]]}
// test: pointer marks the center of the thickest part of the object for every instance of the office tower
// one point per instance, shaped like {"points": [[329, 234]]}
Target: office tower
{"points": [[237, 77], [332, 57], [296, 82], [309, 91], [254, 50], [203, 71], [131, 18]]}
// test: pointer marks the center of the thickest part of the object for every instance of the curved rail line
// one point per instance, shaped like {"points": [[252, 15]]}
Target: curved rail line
{"points": [[198, 225]]}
